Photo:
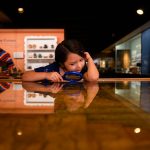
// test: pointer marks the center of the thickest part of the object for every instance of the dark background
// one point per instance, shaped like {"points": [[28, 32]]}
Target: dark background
{"points": [[97, 24]]}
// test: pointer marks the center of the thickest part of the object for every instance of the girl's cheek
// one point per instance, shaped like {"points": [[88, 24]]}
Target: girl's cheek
{"points": [[83, 63]]}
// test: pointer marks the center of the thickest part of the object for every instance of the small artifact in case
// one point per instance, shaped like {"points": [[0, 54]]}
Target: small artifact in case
{"points": [[45, 46]]}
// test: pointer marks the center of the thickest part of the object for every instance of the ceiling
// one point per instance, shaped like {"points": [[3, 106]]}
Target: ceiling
{"points": [[97, 24]]}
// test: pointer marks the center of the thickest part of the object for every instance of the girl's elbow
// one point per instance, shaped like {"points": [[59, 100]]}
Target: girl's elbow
{"points": [[96, 77], [93, 78]]}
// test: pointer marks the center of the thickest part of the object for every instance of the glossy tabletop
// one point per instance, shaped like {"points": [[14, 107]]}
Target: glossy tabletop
{"points": [[107, 115]]}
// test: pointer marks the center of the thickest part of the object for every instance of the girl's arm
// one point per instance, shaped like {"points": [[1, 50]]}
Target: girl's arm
{"points": [[37, 87], [92, 73], [37, 76], [33, 76]]}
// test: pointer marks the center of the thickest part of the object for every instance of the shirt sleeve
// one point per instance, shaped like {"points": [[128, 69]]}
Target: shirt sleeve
{"points": [[40, 69]]}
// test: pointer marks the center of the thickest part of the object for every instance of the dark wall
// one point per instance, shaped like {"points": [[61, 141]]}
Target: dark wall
{"points": [[145, 68]]}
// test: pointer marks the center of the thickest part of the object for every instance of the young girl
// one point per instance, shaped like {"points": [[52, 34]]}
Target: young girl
{"points": [[69, 56]]}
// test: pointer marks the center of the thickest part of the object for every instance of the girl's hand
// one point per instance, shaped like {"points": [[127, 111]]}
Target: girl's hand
{"points": [[87, 56], [54, 77]]}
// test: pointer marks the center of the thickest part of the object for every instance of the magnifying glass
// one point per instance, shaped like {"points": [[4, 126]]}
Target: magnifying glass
{"points": [[72, 76]]}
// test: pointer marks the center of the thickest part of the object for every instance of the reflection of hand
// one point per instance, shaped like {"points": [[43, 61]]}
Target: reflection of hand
{"points": [[55, 87], [33, 86]]}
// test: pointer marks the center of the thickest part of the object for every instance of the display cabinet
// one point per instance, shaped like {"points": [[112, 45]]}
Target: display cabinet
{"points": [[39, 51]]}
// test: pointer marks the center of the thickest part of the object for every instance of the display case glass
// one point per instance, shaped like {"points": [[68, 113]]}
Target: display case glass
{"points": [[39, 51]]}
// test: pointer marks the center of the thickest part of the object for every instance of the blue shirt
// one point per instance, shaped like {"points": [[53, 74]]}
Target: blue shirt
{"points": [[55, 67]]}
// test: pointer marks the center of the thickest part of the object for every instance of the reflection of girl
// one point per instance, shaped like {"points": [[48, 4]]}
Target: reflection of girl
{"points": [[82, 98], [69, 56], [74, 102], [67, 96]]}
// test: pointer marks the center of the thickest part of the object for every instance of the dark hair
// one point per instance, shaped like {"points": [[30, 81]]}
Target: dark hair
{"points": [[66, 47]]}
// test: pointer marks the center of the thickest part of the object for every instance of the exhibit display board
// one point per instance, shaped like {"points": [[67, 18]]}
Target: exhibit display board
{"points": [[13, 41]]}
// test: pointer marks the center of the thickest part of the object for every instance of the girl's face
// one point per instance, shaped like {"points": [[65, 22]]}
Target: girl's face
{"points": [[74, 62]]}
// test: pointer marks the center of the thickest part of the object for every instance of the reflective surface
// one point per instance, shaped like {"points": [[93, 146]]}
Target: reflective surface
{"points": [[99, 116]]}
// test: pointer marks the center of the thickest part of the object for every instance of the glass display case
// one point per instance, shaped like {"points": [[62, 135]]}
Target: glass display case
{"points": [[39, 51]]}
